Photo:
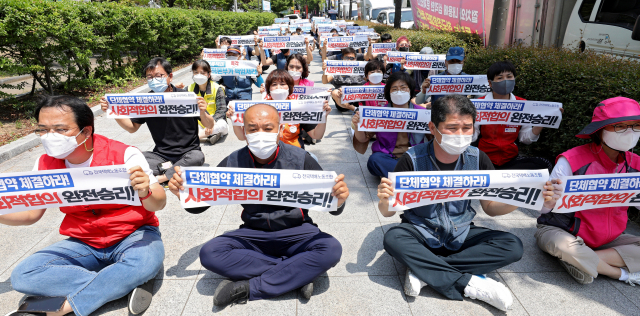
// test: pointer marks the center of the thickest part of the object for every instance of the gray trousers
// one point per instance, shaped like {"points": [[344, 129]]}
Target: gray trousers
{"points": [[194, 158]]}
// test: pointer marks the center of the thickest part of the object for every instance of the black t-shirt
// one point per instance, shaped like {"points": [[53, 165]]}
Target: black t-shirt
{"points": [[405, 164], [173, 136], [309, 163]]}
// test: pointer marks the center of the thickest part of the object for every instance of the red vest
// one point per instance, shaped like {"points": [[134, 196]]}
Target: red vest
{"points": [[602, 225], [101, 226], [499, 141]]}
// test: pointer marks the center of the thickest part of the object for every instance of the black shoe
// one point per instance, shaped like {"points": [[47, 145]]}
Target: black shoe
{"points": [[230, 292], [140, 297], [307, 290]]}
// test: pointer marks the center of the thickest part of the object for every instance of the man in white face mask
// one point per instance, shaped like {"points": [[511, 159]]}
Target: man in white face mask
{"points": [[453, 257], [280, 232], [454, 63], [124, 239]]}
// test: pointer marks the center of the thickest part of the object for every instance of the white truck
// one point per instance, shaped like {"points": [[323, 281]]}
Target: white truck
{"points": [[387, 17]]}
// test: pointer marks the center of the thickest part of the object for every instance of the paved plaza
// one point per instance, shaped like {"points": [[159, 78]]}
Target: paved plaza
{"points": [[366, 281]]}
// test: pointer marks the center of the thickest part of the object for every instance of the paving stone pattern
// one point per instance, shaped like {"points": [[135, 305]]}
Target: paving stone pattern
{"points": [[366, 281]]}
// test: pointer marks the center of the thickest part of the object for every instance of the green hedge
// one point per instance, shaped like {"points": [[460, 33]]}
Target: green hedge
{"points": [[439, 41], [55, 40], [578, 80]]}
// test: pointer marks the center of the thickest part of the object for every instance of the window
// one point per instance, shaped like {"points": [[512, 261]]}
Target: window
{"points": [[585, 10], [382, 17], [407, 16], [619, 13]]}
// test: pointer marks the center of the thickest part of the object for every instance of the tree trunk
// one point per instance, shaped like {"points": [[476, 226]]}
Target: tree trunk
{"points": [[398, 14]]}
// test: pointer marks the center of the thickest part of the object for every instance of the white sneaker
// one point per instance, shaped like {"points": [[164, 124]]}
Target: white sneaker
{"points": [[634, 278], [489, 291], [412, 284]]}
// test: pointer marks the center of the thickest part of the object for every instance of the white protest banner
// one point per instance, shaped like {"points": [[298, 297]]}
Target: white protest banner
{"points": [[233, 67], [131, 105], [388, 119], [349, 68], [459, 84], [290, 188], [22, 191], [299, 21], [241, 40], [291, 112], [281, 20], [522, 188], [304, 27], [211, 53], [396, 57], [425, 62], [598, 191], [367, 34], [338, 43], [363, 93], [535, 113], [280, 42], [327, 29], [269, 28], [382, 48], [310, 93], [268, 33]]}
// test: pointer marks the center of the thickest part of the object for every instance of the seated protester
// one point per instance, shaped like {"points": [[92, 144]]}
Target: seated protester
{"points": [[113, 249], [298, 70], [176, 138], [239, 87], [299, 31], [454, 63], [273, 238], [214, 95], [280, 60], [419, 76], [279, 86], [373, 74], [339, 55], [499, 141], [334, 33], [593, 242], [338, 81], [389, 146], [438, 243]]}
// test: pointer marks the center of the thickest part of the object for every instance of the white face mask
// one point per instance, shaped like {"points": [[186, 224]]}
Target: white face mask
{"points": [[400, 97], [454, 69], [295, 74], [279, 94], [200, 79], [262, 144], [232, 57], [454, 144], [621, 141], [60, 146], [375, 77]]}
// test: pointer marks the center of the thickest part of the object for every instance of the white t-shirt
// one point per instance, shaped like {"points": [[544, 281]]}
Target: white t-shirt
{"points": [[132, 157]]}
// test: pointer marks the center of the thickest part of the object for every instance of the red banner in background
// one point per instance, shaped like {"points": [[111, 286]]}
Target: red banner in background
{"points": [[449, 15]]}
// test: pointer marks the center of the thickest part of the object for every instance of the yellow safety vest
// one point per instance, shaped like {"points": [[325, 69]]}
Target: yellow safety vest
{"points": [[210, 98]]}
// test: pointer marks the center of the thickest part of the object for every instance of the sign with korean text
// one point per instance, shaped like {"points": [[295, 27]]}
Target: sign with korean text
{"points": [[598, 191], [522, 188], [338, 43], [310, 93], [280, 42], [241, 40], [290, 188], [349, 68], [211, 53], [22, 191], [425, 62], [516, 112], [382, 48], [362, 93], [234, 67], [281, 20], [291, 112], [388, 119], [449, 15], [396, 57], [459, 84], [131, 105]]}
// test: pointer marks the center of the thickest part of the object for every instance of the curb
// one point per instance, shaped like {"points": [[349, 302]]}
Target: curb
{"points": [[25, 143]]}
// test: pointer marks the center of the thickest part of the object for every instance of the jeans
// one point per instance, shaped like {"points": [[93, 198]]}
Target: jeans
{"points": [[380, 164], [89, 277], [194, 158]]}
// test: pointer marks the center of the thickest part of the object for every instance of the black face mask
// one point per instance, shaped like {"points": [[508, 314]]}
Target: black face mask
{"points": [[403, 49]]}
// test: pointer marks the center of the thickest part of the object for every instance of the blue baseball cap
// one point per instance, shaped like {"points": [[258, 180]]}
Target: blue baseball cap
{"points": [[455, 53]]}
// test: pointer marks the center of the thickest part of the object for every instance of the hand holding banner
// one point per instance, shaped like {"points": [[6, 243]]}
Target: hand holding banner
{"points": [[283, 42], [425, 62], [388, 119], [290, 188], [310, 93], [348, 68], [23, 191], [522, 188], [382, 48], [291, 112], [517, 112], [234, 67], [362, 93], [598, 191], [131, 105], [458, 84]]}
